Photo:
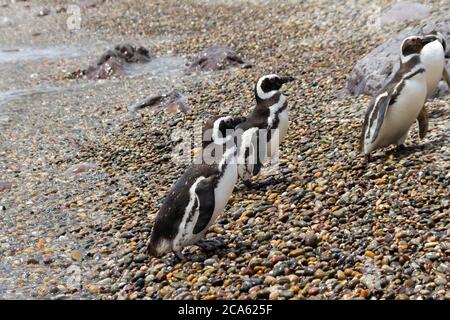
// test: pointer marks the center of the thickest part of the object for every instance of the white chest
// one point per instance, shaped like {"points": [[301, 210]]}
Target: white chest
{"points": [[403, 113], [433, 58]]}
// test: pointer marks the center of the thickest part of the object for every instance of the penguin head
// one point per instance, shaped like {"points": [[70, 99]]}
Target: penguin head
{"points": [[223, 128], [268, 85], [413, 45]]}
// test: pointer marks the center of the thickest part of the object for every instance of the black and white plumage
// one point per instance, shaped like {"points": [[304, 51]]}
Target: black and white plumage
{"points": [[392, 113], [265, 128], [432, 56], [198, 197]]}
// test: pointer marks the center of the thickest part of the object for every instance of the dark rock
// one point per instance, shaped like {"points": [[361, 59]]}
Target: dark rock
{"points": [[43, 12], [140, 283], [376, 68], [311, 239], [171, 102], [217, 58], [113, 62]]}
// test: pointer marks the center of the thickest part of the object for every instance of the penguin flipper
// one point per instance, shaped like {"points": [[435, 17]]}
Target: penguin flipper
{"points": [[374, 118], [205, 194], [422, 119]]}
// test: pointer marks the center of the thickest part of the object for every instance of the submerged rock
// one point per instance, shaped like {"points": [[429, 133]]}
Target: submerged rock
{"points": [[217, 58], [171, 102], [113, 62], [371, 72]]}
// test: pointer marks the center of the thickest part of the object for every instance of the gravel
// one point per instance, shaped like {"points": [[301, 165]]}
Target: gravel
{"points": [[327, 228]]}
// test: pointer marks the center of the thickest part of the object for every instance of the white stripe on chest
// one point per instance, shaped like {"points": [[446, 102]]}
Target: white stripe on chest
{"points": [[278, 134]]}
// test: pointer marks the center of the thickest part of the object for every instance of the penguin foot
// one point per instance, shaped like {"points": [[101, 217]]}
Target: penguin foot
{"points": [[367, 158], [267, 182], [248, 184], [211, 244], [176, 257], [401, 148]]}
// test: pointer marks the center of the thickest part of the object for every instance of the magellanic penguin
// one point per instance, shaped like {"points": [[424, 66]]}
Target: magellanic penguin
{"points": [[265, 128], [432, 56], [198, 197], [392, 113]]}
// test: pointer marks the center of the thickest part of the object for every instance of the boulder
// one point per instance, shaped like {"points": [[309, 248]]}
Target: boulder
{"points": [[404, 11], [371, 72], [217, 58]]}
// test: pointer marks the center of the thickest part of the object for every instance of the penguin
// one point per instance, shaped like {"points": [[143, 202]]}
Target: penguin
{"points": [[393, 111], [198, 197], [264, 128], [433, 57]]}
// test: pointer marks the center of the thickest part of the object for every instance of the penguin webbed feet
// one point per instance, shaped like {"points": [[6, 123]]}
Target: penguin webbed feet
{"points": [[400, 148], [367, 158], [211, 244], [176, 257]]}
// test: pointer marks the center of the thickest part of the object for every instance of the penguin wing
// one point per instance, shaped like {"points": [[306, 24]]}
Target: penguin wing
{"points": [[206, 197], [173, 208], [375, 117], [422, 119]]}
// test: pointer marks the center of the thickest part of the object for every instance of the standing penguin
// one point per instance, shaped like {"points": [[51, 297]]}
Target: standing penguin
{"points": [[198, 197], [265, 128], [432, 56], [392, 113]]}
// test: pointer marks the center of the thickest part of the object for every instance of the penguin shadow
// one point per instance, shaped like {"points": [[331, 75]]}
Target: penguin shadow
{"points": [[200, 251], [261, 185], [406, 151]]}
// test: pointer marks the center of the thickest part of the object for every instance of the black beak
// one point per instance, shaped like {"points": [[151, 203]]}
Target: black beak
{"points": [[286, 79]]}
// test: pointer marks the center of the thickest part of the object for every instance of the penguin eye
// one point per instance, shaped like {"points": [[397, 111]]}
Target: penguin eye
{"points": [[228, 121]]}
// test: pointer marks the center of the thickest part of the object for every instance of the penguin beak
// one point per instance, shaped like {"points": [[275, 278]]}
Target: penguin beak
{"points": [[286, 79]]}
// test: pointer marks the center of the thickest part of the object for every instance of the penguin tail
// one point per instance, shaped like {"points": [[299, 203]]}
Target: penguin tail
{"points": [[159, 247]]}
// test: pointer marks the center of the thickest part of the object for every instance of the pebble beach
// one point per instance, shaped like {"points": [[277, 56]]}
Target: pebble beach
{"points": [[82, 178]]}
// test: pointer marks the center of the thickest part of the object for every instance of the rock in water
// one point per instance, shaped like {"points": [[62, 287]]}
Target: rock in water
{"points": [[371, 72], [113, 61], [404, 11], [171, 102], [217, 58]]}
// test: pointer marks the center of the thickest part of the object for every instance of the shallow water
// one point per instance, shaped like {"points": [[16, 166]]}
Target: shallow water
{"points": [[10, 95], [161, 67], [23, 54]]}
